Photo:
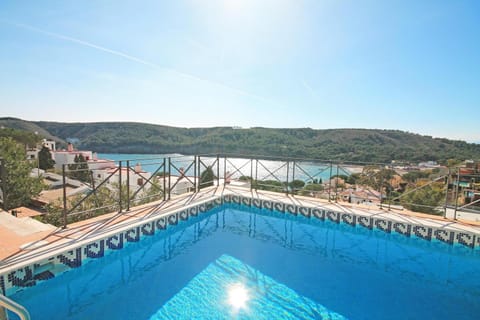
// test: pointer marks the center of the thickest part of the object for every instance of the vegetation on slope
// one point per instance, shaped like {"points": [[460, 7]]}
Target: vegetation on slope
{"points": [[20, 186], [27, 126], [362, 145]]}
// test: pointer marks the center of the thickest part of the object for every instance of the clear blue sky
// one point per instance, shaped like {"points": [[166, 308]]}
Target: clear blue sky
{"points": [[412, 65]]}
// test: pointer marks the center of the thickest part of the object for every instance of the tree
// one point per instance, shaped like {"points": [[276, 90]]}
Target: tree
{"points": [[206, 178], [19, 186], [376, 177], [45, 160], [425, 199], [296, 184], [311, 189], [353, 178], [21, 136], [269, 185], [413, 176], [79, 170]]}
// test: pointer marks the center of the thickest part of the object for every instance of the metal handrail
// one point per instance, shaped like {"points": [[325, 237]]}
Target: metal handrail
{"points": [[14, 307]]}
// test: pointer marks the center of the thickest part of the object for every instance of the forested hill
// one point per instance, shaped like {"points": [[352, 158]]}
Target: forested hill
{"points": [[335, 144]]}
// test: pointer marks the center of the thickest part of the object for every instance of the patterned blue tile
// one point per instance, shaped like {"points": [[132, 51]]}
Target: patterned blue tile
{"points": [[279, 206], [161, 223], [172, 219], [292, 209], [423, 232], [304, 211], [246, 201], [446, 236], [72, 258], [227, 198], [257, 203], [148, 229], [236, 199], [2, 285], [218, 201], [183, 215], [466, 239], [365, 222], [348, 218], [133, 235], [333, 216], [209, 205], [384, 225], [267, 204], [193, 211], [45, 275], [318, 213], [95, 249], [22, 277], [115, 242], [402, 228], [202, 208]]}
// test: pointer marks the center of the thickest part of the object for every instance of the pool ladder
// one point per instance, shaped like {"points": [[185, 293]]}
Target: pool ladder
{"points": [[7, 304]]}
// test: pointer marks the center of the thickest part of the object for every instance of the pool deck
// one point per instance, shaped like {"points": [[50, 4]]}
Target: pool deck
{"points": [[23, 239]]}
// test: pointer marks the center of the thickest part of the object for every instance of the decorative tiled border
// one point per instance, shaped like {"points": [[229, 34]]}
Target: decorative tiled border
{"points": [[29, 275], [406, 229]]}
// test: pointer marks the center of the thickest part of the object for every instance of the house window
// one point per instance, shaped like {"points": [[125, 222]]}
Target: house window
{"points": [[140, 182]]}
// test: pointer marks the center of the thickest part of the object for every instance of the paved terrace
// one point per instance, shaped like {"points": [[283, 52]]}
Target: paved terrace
{"points": [[23, 239]]}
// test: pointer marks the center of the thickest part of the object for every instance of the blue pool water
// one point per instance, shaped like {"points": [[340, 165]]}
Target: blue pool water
{"points": [[241, 263]]}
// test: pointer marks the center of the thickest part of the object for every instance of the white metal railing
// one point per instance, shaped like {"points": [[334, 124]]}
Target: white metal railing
{"points": [[6, 303]]}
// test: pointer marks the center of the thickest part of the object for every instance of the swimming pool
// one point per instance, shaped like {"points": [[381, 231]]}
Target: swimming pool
{"points": [[235, 261]]}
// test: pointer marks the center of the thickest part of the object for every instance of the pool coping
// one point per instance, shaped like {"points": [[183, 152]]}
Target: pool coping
{"points": [[36, 265]]}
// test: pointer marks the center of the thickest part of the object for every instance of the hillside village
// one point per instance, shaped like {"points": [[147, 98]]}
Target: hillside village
{"points": [[85, 172]]}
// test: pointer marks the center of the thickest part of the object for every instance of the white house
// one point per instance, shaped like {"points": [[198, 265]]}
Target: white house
{"points": [[33, 152], [68, 156], [50, 144], [137, 177], [98, 164], [181, 184]]}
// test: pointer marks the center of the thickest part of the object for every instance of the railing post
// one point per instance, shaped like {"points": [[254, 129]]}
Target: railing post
{"points": [[446, 194], [224, 170], [293, 175], [456, 194], [169, 178], [336, 185], [389, 200], [164, 184], [256, 174], [218, 170], [195, 183], [198, 173], [251, 174], [3, 172], [288, 169], [128, 185], [330, 182], [380, 191], [389, 191], [64, 184], [120, 186]]}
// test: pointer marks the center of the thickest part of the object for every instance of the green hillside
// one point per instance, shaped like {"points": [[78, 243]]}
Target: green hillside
{"points": [[336, 144], [28, 126]]}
